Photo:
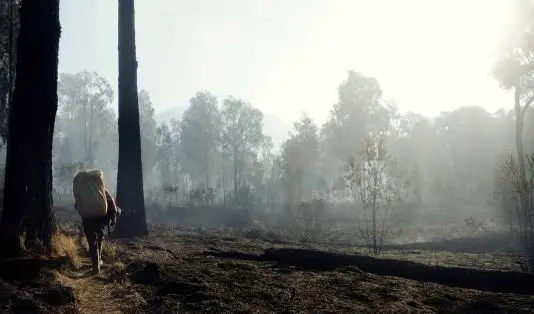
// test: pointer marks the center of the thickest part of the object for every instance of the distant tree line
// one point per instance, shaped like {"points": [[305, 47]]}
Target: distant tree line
{"points": [[222, 145]]}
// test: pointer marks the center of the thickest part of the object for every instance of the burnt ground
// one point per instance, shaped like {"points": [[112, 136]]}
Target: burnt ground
{"points": [[28, 285], [202, 271], [176, 270]]}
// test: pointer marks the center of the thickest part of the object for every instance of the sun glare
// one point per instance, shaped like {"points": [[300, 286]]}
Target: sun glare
{"points": [[428, 46], [429, 56]]}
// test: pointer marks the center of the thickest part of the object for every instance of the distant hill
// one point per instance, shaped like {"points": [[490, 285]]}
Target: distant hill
{"points": [[273, 126]]}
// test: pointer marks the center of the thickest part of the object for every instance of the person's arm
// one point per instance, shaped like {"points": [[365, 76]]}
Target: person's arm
{"points": [[110, 200], [111, 207]]}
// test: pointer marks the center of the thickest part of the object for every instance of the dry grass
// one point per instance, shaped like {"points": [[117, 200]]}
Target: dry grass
{"points": [[110, 252], [95, 295], [69, 246], [108, 292], [116, 272]]}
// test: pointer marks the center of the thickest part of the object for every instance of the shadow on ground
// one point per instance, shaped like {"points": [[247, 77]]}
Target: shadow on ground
{"points": [[486, 280], [28, 285]]}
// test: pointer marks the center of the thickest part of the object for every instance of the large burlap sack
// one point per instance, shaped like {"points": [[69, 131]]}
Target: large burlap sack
{"points": [[90, 193]]}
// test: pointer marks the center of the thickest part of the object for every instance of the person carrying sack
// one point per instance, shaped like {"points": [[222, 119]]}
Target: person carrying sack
{"points": [[97, 209]]}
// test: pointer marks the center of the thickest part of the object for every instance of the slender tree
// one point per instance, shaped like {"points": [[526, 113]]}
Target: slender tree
{"points": [[242, 135], [515, 71], [28, 179], [130, 194]]}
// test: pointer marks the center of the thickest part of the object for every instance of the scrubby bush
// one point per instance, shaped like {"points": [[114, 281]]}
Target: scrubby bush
{"points": [[516, 192]]}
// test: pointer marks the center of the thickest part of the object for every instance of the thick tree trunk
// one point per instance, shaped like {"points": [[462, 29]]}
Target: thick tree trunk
{"points": [[130, 196], [8, 75], [28, 180]]}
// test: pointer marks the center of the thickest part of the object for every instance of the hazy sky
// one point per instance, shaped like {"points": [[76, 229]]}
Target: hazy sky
{"points": [[285, 56]]}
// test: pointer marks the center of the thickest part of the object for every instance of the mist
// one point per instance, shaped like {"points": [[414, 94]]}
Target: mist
{"points": [[217, 156], [266, 156], [262, 134]]}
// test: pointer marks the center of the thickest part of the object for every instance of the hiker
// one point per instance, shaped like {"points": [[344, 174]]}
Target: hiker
{"points": [[97, 209]]}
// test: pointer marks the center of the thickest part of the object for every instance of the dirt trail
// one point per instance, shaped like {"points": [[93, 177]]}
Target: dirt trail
{"points": [[94, 294]]}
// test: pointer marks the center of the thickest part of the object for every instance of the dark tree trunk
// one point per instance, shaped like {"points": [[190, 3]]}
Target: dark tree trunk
{"points": [[28, 179], [130, 196], [7, 71]]}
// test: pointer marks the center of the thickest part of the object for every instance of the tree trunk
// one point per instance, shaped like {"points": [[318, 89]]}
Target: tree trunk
{"points": [[8, 70], [525, 205], [90, 130], [130, 196], [28, 180], [236, 182], [207, 170], [375, 247], [520, 160], [519, 120]]}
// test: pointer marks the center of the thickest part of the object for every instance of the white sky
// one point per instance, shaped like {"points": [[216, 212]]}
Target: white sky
{"points": [[285, 56]]}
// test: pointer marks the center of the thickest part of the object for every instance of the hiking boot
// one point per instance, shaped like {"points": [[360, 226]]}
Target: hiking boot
{"points": [[99, 252], [96, 268]]}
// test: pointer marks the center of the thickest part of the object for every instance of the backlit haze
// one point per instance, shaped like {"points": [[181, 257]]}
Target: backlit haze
{"points": [[289, 56]]}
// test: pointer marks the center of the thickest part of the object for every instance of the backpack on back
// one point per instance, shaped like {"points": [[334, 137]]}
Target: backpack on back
{"points": [[90, 193]]}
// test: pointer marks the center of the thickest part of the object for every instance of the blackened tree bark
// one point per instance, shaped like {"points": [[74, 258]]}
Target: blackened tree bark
{"points": [[28, 179], [130, 196], [9, 25]]}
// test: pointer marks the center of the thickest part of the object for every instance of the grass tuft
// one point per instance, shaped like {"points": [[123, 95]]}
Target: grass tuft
{"points": [[66, 246], [110, 252]]}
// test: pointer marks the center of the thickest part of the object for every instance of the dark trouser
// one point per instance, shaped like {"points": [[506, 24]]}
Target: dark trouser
{"points": [[94, 232]]}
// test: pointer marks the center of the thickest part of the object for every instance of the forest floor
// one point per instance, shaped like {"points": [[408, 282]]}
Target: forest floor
{"points": [[175, 270], [97, 293], [29, 285]]}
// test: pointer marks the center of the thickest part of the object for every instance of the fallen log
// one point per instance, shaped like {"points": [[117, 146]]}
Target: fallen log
{"points": [[485, 280]]}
